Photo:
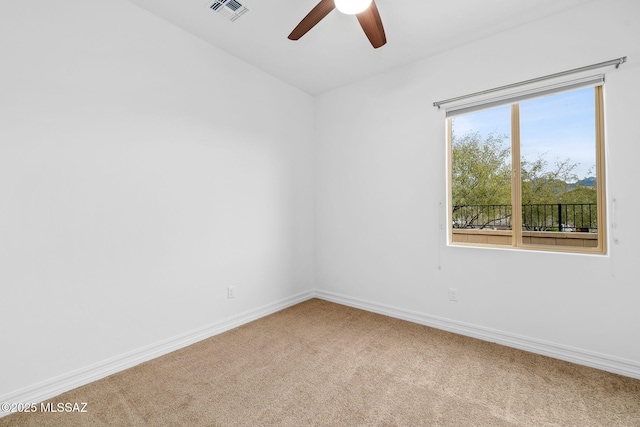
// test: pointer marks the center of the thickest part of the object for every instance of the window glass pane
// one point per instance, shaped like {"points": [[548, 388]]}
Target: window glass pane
{"points": [[558, 170], [481, 177]]}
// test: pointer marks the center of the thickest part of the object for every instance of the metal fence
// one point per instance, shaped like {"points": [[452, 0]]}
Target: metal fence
{"points": [[581, 217]]}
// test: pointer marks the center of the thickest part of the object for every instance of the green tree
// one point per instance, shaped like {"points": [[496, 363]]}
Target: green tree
{"points": [[582, 194], [480, 170], [481, 179], [481, 183], [541, 184]]}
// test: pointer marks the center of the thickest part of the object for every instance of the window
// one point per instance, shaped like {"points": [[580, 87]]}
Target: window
{"points": [[529, 173]]}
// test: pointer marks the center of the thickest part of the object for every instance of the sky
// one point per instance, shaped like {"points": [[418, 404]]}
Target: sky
{"points": [[560, 127]]}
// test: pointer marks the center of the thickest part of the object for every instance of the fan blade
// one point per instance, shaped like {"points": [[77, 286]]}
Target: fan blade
{"points": [[372, 25], [321, 10]]}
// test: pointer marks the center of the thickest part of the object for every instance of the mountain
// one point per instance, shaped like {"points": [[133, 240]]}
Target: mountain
{"points": [[587, 182]]}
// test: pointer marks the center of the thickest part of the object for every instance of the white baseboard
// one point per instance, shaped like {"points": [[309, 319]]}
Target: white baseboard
{"points": [[55, 386], [604, 362]]}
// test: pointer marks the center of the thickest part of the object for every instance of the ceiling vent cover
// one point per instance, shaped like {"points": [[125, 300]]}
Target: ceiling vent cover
{"points": [[229, 9]]}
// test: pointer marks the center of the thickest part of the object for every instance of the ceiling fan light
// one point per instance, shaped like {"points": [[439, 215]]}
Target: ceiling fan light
{"points": [[352, 7]]}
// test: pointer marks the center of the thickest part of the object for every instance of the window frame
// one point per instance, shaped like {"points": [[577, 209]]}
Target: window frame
{"points": [[516, 232]]}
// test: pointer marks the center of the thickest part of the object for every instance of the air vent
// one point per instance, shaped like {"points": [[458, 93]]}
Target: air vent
{"points": [[229, 9]]}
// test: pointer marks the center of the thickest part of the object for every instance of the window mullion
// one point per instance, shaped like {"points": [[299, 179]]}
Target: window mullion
{"points": [[516, 180]]}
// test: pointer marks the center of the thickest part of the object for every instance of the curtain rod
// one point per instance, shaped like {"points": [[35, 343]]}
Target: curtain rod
{"points": [[616, 62]]}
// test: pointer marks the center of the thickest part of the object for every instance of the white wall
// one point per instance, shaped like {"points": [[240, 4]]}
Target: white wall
{"points": [[381, 178], [142, 171]]}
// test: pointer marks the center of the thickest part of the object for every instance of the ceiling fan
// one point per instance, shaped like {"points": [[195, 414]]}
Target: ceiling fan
{"points": [[365, 10]]}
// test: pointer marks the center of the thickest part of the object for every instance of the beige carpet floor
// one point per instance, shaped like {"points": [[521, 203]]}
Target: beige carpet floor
{"points": [[324, 364]]}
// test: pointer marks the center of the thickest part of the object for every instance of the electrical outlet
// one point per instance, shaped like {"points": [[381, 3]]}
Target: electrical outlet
{"points": [[231, 292], [453, 294]]}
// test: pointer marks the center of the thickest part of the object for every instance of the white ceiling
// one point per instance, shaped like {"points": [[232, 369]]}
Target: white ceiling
{"points": [[336, 52]]}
